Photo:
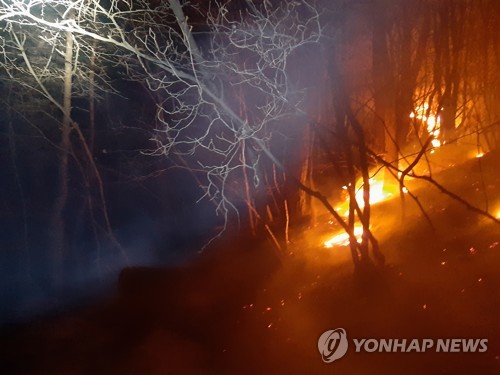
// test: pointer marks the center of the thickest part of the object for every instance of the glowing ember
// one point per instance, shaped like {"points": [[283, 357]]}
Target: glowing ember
{"points": [[480, 155], [342, 239]]}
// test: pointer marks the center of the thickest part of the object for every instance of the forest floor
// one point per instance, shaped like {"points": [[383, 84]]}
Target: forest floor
{"points": [[237, 310]]}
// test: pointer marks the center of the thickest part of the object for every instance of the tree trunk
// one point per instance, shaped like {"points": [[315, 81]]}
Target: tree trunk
{"points": [[305, 204], [92, 100], [385, 122], [58, 220], [18, 180]]}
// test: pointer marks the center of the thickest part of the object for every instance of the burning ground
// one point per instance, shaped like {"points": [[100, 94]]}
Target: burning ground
{"points": [[239, 309]]}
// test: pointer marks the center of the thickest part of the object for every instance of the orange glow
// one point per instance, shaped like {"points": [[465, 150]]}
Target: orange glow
{"points": [[436, 143], [342, 239], [433, 122], [477, 153], [378, 193]]}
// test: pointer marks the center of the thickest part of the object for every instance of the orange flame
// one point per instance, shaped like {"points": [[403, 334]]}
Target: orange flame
{"points": [[342, 238], [433, 122], [378, 193]]}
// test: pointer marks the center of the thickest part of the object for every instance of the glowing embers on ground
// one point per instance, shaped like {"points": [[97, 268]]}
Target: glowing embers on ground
{"points": [[475, 151], [480, 153], [432, 122], [342, 239]]}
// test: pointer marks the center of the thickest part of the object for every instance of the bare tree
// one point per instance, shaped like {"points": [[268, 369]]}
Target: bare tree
{"points": [[197, 74], [48, 64]]}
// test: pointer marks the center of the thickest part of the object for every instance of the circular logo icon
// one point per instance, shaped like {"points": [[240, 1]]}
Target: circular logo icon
{"points": [[333, 344]]}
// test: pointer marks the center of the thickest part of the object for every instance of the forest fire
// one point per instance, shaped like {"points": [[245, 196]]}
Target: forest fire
{"points": [[217, 187], [379, 192], [432, 122], [342, 239]]}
